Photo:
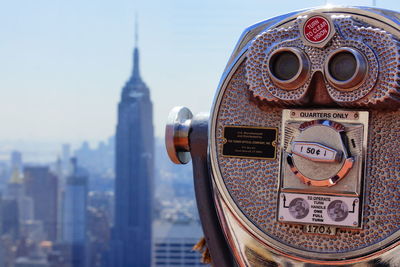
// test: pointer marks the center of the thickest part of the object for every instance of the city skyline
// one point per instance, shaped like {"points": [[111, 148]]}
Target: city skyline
{"points": [[85, 217], [61, 63]]}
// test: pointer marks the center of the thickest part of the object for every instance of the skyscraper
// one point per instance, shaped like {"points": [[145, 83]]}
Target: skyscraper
{"points": [[75, 214], [134, 173], [9, 218], [65, 159], [16, 160], [41, 185], [15, 190]]}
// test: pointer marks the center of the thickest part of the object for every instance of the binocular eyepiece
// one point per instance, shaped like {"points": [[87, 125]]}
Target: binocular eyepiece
{"points": [[298, 162]]}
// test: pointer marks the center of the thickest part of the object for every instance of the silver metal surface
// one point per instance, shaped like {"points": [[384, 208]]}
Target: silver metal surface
{"points": [[246, 189], [177, 135], [357, 78]]}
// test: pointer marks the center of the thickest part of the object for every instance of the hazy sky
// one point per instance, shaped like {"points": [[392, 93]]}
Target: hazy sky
{"points": [[63, 63]]}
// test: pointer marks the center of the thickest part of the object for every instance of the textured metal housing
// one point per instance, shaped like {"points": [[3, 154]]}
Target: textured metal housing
{"points": [[246, 189]]}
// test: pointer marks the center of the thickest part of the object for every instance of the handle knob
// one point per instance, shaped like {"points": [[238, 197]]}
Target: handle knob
{"points": [[177, 135]]}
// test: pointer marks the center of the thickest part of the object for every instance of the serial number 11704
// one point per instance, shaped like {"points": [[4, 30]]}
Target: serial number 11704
{"points": [[319, 229]]}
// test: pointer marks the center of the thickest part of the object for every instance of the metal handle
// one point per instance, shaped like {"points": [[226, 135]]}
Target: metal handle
{"points": [[177, 135]]}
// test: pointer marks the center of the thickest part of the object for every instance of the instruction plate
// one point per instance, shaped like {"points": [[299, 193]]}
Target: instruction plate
{"points": [[319, 209]]}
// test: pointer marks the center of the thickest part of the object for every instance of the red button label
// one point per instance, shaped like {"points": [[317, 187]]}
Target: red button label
{"points": [[316, 29]]}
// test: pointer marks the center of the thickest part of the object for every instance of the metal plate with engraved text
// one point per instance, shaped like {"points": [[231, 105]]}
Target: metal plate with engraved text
{"points": [[250, 142]]}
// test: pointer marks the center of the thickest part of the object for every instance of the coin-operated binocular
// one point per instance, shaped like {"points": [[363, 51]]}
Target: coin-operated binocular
{"points": [[299, 162]]}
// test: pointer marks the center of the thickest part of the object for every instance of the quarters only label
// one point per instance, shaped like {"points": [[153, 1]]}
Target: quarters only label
{"points": [[319, 209], [249, 142]]}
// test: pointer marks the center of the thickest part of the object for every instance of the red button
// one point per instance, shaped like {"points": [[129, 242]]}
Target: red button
{"points": [[316, 29]]}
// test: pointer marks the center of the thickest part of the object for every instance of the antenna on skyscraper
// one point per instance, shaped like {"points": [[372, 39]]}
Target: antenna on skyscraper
{"points": [[136, 30]]}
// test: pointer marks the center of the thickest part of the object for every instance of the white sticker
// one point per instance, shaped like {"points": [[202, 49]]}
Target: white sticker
{"points": [[319, 209], [315, 152]]}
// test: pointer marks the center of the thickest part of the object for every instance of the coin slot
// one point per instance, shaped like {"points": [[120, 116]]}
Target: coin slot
{"points": [[353, 143]]}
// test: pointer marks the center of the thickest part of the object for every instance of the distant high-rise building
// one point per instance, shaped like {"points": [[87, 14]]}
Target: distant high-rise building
{"points": [[174, 242], [100, 217], [99, 232], [58, 170], [65, 159], [16, 160], [41, 185], [134, 173], [103, 201], [75, 214], [9, 218], [15, 190]]}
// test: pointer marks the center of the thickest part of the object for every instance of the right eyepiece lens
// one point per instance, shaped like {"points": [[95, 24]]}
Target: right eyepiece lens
{"points": [[346, 68], [284, 65], [342, 66]]}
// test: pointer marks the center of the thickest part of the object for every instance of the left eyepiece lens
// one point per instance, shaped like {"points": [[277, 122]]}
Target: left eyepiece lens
{"points": [[288, 67], [284, 65]]}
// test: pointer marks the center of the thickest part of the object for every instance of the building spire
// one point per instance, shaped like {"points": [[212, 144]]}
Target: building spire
{"points": [[136, 31], [135, 87], [135, 71]]}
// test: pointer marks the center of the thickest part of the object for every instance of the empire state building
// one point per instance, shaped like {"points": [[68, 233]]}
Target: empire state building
{"points": [[131, 245]]}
